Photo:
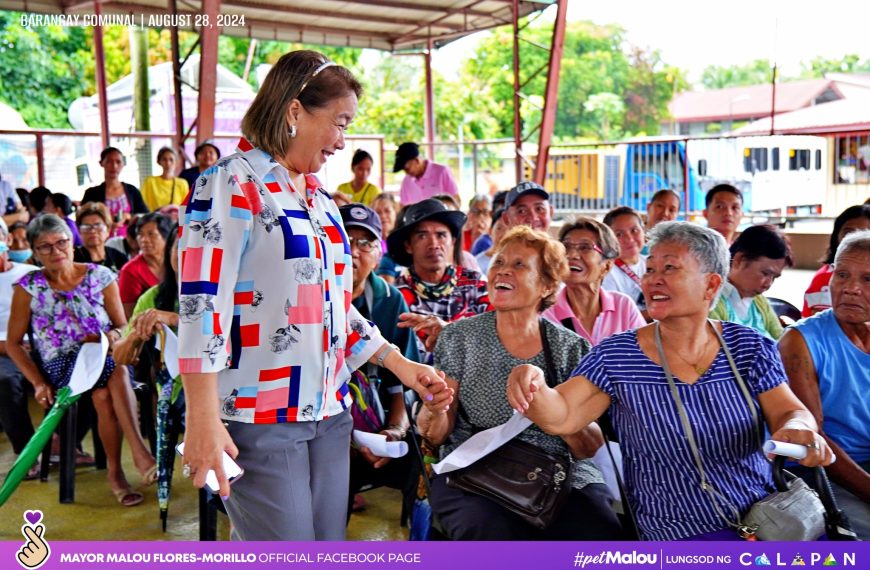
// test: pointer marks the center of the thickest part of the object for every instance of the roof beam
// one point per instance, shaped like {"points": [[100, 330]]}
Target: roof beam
{"points": [[371, 16], [424, 8]]}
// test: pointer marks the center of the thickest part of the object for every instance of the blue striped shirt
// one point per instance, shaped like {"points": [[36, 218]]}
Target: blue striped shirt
{"points": [[660, 473]]}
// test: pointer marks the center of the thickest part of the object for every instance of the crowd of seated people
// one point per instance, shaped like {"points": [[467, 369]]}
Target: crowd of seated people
{"points": [[633, 309]]}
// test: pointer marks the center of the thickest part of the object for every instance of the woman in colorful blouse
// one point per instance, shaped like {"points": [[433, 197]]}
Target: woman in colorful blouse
{"points": [[582, 305], [267, 332], [360, 189], [66, 304], [758, 257], [166, 189], [122, 199], [642, 375]]}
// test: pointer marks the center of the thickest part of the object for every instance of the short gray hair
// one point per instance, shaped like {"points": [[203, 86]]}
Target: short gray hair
{"points": [[46, 224], [480, 198], [854, 242], [708, 246]]}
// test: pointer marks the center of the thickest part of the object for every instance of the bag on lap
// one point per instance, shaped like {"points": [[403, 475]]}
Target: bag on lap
{"points": [[367, 411]]}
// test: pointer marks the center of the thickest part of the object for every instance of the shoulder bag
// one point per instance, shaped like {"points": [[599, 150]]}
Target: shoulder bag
{"points": [[792, 513], [521, 477]]}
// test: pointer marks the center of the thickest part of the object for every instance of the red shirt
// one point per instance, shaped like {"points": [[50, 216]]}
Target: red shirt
{"points": [[818, 296], [135, 278]]}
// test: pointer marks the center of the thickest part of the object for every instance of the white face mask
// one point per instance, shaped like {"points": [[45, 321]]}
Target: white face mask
{"points": [[4, 247]]}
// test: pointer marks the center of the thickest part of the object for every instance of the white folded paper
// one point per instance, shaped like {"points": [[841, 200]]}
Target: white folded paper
{"points": [[170, 351], [788, 449], [482, 443], [89, 365], [605, 465], [379, 445]]}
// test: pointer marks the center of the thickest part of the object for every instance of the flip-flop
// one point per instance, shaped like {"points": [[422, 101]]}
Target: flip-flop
{"points": [[128, 497], [84, 459]]}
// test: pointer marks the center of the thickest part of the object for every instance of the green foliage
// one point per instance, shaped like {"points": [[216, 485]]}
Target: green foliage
{"points": [[41, 70], [754, 73], [819, 66]]}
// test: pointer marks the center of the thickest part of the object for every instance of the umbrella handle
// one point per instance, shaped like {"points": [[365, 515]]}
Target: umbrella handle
{"points": [[161, 332]]}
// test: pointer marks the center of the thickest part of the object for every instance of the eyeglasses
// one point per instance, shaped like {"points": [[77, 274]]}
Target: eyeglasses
{"points": [[87, 228], [583, 247], [364, 245], [45, 249], [480, 212]]}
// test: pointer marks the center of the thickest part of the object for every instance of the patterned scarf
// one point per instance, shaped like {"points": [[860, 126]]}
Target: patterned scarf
{"points": [[438, 290]]}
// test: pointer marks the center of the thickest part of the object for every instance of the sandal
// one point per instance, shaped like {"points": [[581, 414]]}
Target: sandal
{"points": [[84, 459], [127, 497], [33, 472], [150, 476]]}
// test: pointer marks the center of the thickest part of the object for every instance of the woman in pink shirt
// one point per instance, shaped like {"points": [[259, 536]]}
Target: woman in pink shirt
{"points": [[582, 305]]}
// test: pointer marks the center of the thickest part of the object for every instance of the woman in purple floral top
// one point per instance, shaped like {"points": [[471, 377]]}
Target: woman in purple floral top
{"points": [[65, 304]]}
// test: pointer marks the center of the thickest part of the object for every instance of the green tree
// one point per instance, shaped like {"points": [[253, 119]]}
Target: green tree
{"points": [[819, 66], [41, 70], [608, 112], [719, 77]]}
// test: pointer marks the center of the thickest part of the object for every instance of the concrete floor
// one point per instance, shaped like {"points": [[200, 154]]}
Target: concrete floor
{"points": [[96, 515]]}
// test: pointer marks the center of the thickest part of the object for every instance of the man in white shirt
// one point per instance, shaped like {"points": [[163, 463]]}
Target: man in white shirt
{"points": [[13, 394]]}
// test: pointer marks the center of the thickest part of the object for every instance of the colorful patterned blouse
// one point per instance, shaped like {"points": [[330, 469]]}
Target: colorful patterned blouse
{"points": [[266, 282], [62, 319]]}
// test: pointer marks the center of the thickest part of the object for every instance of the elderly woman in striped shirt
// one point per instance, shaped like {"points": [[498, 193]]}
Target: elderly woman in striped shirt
{"points": [[682, 375]]}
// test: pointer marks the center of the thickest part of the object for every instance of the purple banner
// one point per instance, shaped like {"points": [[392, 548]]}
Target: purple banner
{"points": [[37, 550]]}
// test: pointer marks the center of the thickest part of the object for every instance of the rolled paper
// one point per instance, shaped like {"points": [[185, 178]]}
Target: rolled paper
{"points": [[794, 450]]}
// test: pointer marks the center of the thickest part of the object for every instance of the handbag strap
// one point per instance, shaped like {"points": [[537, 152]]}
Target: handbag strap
{"points": [[716, 496]]}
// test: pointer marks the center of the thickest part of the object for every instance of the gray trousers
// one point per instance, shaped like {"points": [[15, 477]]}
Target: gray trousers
{"points": [[295, 485]]}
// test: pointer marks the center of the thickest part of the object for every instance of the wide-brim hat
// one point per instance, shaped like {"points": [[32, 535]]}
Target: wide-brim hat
{"points": [[426, 210], [404, 153]]}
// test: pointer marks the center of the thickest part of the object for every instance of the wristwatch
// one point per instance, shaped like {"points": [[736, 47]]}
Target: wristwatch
{"points": [[384, 352]]}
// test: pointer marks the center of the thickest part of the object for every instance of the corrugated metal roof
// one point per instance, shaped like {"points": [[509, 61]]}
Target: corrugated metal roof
{"points": [[836, 116], [380, 24], [748, 102]]}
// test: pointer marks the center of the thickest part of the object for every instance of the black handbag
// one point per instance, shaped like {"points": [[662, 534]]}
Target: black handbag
{"points": [[521, 477]]}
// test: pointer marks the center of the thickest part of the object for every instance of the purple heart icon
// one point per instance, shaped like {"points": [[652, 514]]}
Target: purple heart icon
{"points": [[33, 517]]}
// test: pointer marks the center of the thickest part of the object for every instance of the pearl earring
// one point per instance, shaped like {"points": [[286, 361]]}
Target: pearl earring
{"points": [[292, 131]]}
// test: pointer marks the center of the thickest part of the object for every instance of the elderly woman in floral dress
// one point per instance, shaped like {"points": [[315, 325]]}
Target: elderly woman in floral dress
{"points": [[66, 304]]}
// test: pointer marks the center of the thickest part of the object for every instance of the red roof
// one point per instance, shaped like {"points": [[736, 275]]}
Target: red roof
{"points": [[752, 101]]}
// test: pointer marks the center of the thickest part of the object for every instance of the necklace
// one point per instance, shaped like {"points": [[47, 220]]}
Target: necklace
{"points": [[696, 366]]}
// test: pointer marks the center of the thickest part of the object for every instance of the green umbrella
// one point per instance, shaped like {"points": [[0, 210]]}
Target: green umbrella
{"points": [[87, 370]]}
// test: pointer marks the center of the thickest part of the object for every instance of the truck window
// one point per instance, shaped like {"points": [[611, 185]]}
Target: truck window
{"points": [[755, 159], [799, 159]]}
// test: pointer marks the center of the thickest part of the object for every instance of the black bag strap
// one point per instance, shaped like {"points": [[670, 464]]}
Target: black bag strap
{"points": [[550, 375], [568, 324]]}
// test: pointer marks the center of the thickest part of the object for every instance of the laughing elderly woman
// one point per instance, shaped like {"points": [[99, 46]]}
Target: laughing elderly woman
{"points": [[66, 304], [642, 375], [477, 355]]}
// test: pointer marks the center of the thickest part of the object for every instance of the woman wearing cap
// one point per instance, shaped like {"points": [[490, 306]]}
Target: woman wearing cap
{"points": [[381, 303], [583, 306], [159, 191], [360, 189], [122, 199], [271, 357], [206, 155]]}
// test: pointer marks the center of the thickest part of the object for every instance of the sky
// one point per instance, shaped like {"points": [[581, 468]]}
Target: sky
{"points": [[693, 35]]}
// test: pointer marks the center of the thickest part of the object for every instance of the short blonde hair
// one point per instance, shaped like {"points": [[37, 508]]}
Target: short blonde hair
{"points": [[553, 262], [302, 75]]}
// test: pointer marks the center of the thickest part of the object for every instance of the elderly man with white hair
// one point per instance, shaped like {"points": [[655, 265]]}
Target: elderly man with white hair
{"points": [[827, 359]]}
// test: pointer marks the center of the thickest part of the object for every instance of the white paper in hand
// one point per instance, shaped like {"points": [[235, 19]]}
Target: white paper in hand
{"points": [[379, 445], [89, 365], [482, 443]]}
